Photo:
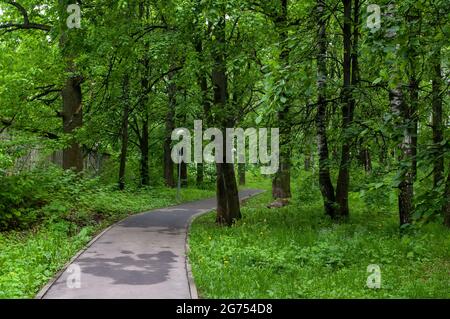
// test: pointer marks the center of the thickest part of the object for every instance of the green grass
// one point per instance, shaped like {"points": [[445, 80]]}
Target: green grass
{"points": [[297, 252], [28, 259]]}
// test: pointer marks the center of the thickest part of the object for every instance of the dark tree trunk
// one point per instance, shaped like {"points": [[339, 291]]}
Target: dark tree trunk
{"points": [[326, 186], [227, 190], [125, 116], [184, 174], [200, 174], [222, 204], [144, 140], [206, 115], [348, 107], [170, 126], [437, 122], [232, 194], [72, 110], [72, 119], [365, 159], [281, 184], [145, 175], [241, 171]]}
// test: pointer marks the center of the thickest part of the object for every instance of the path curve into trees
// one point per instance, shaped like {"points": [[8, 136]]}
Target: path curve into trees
{"points": [[143, 256]]}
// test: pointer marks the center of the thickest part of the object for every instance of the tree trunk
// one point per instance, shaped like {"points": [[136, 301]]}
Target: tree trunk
{"points": [[125, 116], [200, 174], [241, 170], [227, 190], [232, 193], [72, 119], [144, 140], [406, 190], [170, 126], [364, 158], [72, 113], [206, 115], [184, 174], [281, 184], [326, 187], [348, 107], [145, 175], [222, 217], [437, 122]]}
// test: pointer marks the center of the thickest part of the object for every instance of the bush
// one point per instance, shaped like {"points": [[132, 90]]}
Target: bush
{"points": [[23, 196]]}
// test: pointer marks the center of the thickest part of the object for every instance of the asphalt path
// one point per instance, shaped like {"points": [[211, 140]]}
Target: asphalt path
{"points": [[141, 257]]}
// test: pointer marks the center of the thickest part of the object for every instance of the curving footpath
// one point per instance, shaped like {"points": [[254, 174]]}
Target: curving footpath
{"points": [[141, 257]]}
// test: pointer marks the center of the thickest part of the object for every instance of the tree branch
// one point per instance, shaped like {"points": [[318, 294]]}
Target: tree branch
{"points": [[26, 25]]}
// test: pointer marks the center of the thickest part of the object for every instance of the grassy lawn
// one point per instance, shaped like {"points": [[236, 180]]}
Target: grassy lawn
{"points": [[28, 259], [297, 252]]}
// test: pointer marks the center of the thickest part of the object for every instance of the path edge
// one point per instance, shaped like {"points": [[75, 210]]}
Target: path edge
{"points": [[193, 291], [41, 294]]}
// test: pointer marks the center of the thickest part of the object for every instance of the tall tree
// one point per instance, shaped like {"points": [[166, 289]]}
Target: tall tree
{"points": [[437, 118], [170, 126], [124, 130], [350, 71], [72, 113], [281, 184], [326, 186], [228, 209]]}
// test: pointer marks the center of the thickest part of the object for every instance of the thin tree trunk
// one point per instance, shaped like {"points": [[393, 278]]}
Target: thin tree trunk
{"points": [[144, 141], [184, 174], [200, 174], [241, 171], [206, 106], [144, 148], [170, 126], [326, 186], [437, 121], [125, 116], [364, 158]]}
